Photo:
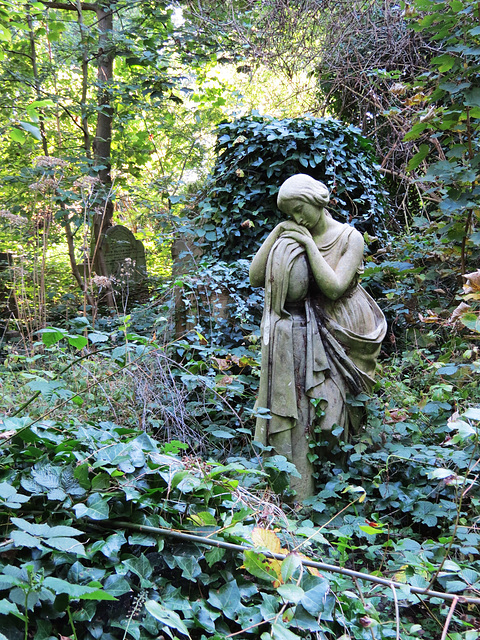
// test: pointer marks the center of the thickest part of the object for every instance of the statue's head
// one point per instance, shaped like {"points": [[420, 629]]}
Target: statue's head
{"points": [[304, 188]]}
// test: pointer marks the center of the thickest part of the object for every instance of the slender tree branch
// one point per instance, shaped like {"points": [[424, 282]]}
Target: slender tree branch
{"points": [[307, 563], [449, 618], [86, 6]]}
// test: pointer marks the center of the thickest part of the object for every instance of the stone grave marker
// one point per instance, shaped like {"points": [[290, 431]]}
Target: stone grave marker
{"points": [[124, 255]]}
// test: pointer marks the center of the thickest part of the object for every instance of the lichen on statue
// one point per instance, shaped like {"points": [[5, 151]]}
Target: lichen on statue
{"points": [[321, 331]]}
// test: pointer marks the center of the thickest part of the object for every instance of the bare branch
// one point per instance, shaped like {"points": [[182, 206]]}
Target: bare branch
{"points": [[86, 6]]}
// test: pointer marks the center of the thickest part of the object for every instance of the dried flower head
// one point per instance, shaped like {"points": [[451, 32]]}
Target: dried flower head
{"points": [[43, 185], [16, 221], [86, 182], [47, 162], [102, 281]]}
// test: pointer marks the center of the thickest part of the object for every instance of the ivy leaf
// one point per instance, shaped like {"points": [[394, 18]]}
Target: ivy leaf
{"points": [[189, 566], [256, 564], [215, 554], [112, 545], [291, 592], [139, 566], [314, 598], [226, 599], [169, 618], [116, 585], [279, 632], [96, 508]]}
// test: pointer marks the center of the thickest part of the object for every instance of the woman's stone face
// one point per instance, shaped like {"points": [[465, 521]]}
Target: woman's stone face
{"points": [[303, 213]]}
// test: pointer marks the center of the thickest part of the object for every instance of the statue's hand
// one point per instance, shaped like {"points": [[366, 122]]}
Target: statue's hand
{"points": [[303, 237]]}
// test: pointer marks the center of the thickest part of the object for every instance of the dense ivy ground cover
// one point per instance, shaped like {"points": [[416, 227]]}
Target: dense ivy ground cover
{"points": [[400, 502]]}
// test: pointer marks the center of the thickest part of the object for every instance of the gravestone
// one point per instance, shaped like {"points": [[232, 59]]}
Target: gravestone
{"points": [[124, 255]]}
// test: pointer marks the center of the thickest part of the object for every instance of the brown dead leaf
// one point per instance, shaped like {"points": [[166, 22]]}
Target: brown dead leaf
{"points": [[458, 312], [472, 285], [222, 363], [430, 318]]}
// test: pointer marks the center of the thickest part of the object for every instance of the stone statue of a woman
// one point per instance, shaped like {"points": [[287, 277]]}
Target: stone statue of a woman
{"points": [[321, 331]]}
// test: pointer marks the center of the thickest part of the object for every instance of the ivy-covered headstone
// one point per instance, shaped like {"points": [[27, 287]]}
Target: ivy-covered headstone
{"points": [[256, 154]]}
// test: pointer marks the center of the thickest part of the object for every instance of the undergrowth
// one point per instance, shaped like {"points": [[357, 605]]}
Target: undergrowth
{"points": [[126, 432]]}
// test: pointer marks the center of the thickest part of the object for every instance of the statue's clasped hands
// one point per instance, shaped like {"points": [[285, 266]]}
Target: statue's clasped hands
{"points": [[297, 232]]}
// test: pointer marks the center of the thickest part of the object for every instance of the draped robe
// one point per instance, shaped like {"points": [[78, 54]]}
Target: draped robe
{"points": [[312, 348]]}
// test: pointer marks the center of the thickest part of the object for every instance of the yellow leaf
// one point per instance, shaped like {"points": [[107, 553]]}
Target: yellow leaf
{"points": [[276, 566], [432, 317], [266, 538], [400, 576]]}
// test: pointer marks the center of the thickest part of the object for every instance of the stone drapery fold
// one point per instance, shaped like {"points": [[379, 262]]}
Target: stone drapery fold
{"points": [[343, 339]]}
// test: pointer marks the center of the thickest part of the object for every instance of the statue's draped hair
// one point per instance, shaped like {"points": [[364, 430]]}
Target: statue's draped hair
{"points": [[304, 188]]}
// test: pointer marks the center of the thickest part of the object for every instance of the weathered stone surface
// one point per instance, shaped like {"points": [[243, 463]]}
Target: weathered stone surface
{"points": [[321, 331], [124, 255]]}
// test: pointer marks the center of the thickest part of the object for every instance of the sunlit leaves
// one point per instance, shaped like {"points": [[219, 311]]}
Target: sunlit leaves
{"points": [[258, 565]]}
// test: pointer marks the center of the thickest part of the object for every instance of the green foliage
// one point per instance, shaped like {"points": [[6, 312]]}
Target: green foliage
{"points": [[90, 570], [256, 154], [448, 123], [399, 501]]}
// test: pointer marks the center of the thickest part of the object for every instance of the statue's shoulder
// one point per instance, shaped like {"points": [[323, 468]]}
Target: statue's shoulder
{"points": [[349, 233]]}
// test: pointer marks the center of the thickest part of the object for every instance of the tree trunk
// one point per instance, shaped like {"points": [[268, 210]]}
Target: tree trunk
{"points": [[36, 80], [102, 144]]}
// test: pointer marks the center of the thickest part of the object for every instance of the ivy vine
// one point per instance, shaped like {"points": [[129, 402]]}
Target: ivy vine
{"points": [[255, 154]]}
